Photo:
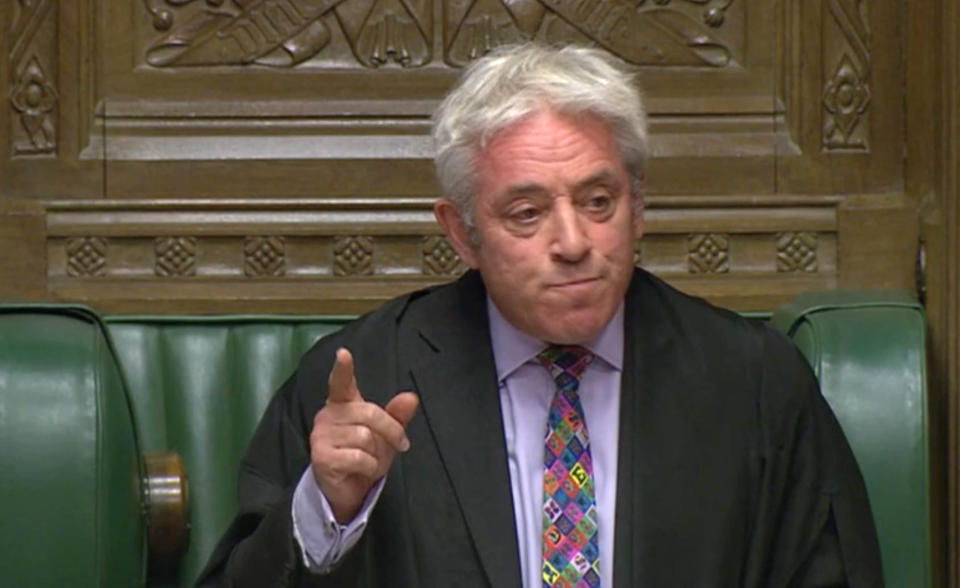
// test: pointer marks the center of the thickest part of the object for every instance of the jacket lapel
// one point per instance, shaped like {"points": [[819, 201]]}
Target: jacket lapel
{"points": [[457, 385], [648, 355]]}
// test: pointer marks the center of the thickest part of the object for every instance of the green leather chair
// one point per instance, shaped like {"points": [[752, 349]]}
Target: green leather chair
{"points": [[868, 350], [70, 493], [77, 411], [198, 386]]}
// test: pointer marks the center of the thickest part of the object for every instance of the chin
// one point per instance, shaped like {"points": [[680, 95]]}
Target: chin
{"points": [[576, 334]]}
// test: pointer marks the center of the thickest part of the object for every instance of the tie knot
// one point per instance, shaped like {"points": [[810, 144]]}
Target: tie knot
{"points": [[565, 363]]}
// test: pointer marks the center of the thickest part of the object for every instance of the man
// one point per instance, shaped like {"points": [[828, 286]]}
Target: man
{"points": [[556, 416]]}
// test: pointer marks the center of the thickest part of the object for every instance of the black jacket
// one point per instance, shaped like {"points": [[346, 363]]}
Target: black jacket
{"points": [[732, 469]]}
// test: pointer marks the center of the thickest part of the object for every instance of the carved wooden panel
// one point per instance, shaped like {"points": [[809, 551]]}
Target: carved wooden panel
{"points": [[347, 255], [236, 153], [33, 65]]}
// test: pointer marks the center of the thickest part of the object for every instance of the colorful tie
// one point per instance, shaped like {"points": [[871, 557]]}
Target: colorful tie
{"points": [[570, 540]]}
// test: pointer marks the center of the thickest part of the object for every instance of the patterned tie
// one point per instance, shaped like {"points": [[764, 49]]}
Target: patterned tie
{"points": [[570, 539]]}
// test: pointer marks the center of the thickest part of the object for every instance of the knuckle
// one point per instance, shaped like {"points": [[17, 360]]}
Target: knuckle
{"points": [[364, 436], [368, 411]]}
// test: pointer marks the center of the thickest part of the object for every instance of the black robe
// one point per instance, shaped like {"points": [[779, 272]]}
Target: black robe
{"points": [[732, 469]]}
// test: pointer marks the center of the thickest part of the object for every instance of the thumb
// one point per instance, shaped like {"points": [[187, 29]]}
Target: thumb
{"points": [[403, 406]]}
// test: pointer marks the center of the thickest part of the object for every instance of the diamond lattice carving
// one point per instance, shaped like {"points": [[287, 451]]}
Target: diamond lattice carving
{"points": [[797, 252], [845, 98], [264, 256], [86, 256], [175, 256], [708, 253], [440, 258], [352, 256]]}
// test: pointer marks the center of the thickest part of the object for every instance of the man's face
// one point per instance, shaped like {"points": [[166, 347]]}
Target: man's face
{"points": [[555, 224]]}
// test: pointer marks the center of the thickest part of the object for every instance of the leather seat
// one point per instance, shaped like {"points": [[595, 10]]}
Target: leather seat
{"points": [[199, 385], [77, 411], [70, 487], [868, 350]]}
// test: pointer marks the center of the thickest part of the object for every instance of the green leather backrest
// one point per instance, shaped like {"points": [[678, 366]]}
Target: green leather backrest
{"points": [[70, 502], [868, 350], [199, 386]]}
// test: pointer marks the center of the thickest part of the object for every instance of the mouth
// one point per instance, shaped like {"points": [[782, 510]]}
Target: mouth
{"points": [[581, 282]]}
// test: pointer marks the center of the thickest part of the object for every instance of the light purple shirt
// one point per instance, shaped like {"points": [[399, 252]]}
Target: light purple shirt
{"points": [[526, 390]]}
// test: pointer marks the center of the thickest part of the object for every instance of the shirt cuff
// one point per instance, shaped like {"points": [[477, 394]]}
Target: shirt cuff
{"points": [[323, 541]]}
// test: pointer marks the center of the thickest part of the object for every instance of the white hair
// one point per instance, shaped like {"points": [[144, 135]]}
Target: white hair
{"points": [[514, 82]]}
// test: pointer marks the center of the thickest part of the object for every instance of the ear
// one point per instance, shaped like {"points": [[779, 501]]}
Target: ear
{"points": [[448, 215]]}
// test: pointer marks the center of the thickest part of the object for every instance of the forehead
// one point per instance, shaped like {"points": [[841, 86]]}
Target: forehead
{"points": [[548, 147]]}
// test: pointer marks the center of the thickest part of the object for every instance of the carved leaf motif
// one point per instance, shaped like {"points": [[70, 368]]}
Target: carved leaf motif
{"points": [[686, 41], [386, 31], [648, 37], [651, 36], [270, 32], [486, 25], [527, 14], [34, 98]]}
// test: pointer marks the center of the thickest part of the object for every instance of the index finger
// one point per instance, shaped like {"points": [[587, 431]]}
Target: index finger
{"points": [[343, 384]]}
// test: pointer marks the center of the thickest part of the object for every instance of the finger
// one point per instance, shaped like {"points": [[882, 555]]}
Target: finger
{"points": [[357, 436], [343, 384], [402, 407], [381, 424], [352, 461]]}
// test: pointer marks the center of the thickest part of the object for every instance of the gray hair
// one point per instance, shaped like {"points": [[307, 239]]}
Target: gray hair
{"points": [[517, 81]]}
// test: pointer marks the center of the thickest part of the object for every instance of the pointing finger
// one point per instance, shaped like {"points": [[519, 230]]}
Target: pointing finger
{"points": [[343, 384]]}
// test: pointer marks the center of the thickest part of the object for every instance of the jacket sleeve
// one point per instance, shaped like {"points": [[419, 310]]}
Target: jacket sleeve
{"points": [[814, 526], [259, 548]]}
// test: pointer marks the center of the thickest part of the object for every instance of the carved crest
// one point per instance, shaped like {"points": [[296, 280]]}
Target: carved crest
{"points": [[284, 33]]}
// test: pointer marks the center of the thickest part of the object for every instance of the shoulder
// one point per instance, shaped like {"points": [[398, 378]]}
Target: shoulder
{"points": [[695, 323], [375, 337], [741, 358]]}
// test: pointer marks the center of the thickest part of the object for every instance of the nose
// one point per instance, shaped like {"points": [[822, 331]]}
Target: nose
{"points": [[570, 241]]}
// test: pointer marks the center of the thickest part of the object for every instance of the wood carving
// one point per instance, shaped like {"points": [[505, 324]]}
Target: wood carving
{"points": [[797, 252], [33, 64], [86, 257], [708, 253], [655, 35], [285, 33], [846, 93], [175, 256], [352, 256], [264, 256], [439, 257]]}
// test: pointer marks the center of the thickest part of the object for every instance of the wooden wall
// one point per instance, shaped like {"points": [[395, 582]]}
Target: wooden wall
{"points": [[272, 155]]}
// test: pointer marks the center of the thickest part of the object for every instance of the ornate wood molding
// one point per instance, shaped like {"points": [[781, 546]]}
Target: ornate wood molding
{"points": [[34, 68], [348, 254], [846, 70], [406, 33]]}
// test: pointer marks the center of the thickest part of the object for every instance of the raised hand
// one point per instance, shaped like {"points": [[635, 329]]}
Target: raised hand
{"points": [[353, 442]]}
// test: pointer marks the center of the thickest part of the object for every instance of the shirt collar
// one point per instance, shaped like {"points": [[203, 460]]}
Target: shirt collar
{"points": [[513, 348]]}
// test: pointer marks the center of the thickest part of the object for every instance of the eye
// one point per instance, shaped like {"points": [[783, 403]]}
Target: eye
{"points": [[599, 203], [525, 214]]}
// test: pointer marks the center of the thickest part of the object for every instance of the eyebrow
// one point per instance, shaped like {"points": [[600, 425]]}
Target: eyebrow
{"points": [[602, 177]]}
